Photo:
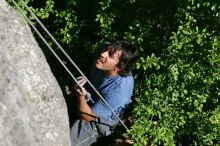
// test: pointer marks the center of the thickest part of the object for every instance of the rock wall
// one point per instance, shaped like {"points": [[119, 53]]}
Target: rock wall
{"points": [[33, 111]]}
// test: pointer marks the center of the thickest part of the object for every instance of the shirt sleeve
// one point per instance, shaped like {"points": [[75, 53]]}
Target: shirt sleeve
{"points": [[114, 100]]}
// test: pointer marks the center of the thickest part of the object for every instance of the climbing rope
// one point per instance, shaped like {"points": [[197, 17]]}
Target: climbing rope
{"points": [[54, 53]]}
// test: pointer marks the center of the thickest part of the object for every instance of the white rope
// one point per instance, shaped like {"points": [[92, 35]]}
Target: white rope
{"points": [[73, 63]]}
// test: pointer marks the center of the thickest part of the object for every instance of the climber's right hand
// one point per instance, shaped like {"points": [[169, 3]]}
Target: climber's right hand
{"points": [[79, 86]]}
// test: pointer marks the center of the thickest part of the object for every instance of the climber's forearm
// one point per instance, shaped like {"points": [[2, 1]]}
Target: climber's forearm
{"points": [[85, 110]]}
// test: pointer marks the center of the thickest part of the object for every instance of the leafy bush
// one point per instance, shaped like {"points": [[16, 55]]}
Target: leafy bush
{"points": [[179, 100]]}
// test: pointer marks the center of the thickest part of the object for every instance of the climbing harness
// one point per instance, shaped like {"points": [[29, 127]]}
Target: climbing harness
{"points": [[55, 54]]}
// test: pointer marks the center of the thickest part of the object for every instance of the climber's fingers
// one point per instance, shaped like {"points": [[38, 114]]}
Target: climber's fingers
{"points": [[81, 91], [81, 81]]}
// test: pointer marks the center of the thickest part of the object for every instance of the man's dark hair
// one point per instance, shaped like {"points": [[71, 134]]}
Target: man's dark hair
{"points": [[128, 58]]}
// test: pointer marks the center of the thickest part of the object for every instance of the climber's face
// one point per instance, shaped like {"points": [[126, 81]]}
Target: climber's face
{"points": [[108, 61]]}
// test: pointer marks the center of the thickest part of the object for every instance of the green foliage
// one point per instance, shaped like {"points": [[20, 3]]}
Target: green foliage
{"points": [[44, 12], [176, 98], [180, 96]]}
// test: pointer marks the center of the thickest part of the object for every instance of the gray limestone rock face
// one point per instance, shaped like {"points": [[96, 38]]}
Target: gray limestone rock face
{"points": [[33, 111]]}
